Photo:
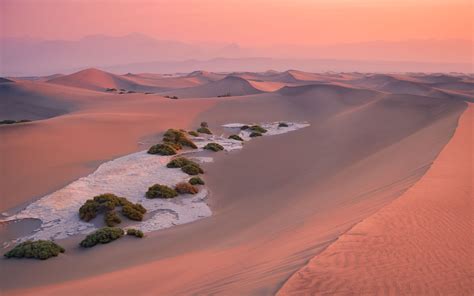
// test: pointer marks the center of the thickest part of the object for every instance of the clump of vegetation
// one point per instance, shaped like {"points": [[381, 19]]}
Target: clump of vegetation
{"points": [[135, 232], [214, 147], [258, 129], [162, 149], [178, 137], [107, 203], [224, 95], [283, 124], [196, 181], [204, 124], [131, 92], [9, 121], [244, 127], [112, 219], [111, 89], [134, 211], [102, 236], [235, 137], [204, 130], [161, 191], [193, 133], [172, 97], [183, 188], [188, 166], [192, 169], [255, 134], [40, 249]]}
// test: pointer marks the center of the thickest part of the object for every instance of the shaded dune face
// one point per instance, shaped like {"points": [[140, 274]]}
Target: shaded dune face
{"points": [[278, 202]]}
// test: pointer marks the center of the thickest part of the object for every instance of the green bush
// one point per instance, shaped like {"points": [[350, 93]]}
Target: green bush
{"points": [[213, 147], [112, 219], [235, 137], [192, 169], [183, 188], [179, 162], [255, 134], [244, 127], [40, 249], [162, 149], [196, 181], [102, 236], [258, 129], [193, 133], [282, 124], [107, 203], [161, 191], [134, 212], [178, 137], [135, 232], [204, 130]]}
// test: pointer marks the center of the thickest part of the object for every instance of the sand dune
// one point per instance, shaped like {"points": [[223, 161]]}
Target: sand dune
{"points": [[235, 86], [421, 244], [368, 146]]}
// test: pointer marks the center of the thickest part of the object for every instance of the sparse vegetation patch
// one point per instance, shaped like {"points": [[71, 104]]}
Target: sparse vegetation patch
{"points": [[235, 137], [196, 181], [40, 249], [186, 188], [102, 236], [214, 147], [178, 137], [161, 191], [162, 149], [135, 232], [282, 124], [255, 134], [258, 129]]}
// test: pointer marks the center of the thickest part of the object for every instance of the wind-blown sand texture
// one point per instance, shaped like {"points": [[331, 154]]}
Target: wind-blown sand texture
{"points": [[420, 244], [276, 204]]}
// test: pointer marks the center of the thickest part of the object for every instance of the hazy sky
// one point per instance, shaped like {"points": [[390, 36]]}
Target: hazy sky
{"points": [[249, 23]]}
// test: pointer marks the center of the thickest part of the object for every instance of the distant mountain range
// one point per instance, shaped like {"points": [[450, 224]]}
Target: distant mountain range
{"points": [[141, 53]]}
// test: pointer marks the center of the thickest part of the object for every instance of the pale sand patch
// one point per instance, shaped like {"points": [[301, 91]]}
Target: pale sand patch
{"points": [[421, 244]]}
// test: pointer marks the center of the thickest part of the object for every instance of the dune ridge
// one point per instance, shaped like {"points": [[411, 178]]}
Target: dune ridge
{"points": [[420, 244]]}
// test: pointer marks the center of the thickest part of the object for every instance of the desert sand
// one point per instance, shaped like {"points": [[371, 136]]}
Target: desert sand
{"points": [[420, 244], [276, 204]]}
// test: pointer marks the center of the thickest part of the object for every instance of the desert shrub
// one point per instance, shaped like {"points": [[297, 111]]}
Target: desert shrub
{"points": [[161, 191], [213, 147], [40, 249], [193, 133], [7, 121], [133, 212], [183, 188], [178, 137], [180, 162], [255, 134], [196, 181], [282, 124], [235, 137], [172, 97], [102, 236], [135, 232], [204, 130], [204, 124], [192, 169], [131, 92], [111, 89], [244, 127], [89, 210], [224, 95], [258, 129], [112, 219], [107, 203], [162, 149]]}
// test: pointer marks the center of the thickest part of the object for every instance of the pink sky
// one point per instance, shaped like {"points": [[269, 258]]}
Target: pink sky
{"points": [[249, 23]]}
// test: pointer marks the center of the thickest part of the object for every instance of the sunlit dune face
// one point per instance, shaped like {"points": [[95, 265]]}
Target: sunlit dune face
{"points": [[258, 22]]}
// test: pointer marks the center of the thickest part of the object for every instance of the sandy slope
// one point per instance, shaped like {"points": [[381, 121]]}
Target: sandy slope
{"points": [[232, 85], [276, 204], [421, 244]]}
